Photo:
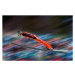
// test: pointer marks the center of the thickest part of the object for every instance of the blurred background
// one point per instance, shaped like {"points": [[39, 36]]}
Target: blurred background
{"points": [[56, 30]]}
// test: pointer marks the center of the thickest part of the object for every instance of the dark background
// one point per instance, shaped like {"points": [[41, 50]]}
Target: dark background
{"points": [[39, 24]]}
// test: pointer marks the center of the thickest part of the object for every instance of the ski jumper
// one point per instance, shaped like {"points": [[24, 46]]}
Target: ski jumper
{"points": [[34, 37]]}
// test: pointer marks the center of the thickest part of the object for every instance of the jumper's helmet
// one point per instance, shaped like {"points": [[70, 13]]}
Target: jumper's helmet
{"points": [[19, 33]]}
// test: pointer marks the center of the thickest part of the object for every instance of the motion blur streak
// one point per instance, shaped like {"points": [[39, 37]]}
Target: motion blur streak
{"points": [[56, 30]]}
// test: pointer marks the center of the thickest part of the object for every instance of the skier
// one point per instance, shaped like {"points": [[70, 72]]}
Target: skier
{"points": [[34, 37]]}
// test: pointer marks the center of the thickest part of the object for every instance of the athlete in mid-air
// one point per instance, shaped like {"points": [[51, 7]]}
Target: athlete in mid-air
{"points": [[34, 37]]}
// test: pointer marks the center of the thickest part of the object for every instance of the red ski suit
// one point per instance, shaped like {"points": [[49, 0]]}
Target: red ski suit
{"points": [[34, 37]]}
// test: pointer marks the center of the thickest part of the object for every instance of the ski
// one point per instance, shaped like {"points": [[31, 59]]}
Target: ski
{"points": [[59, 51]]}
